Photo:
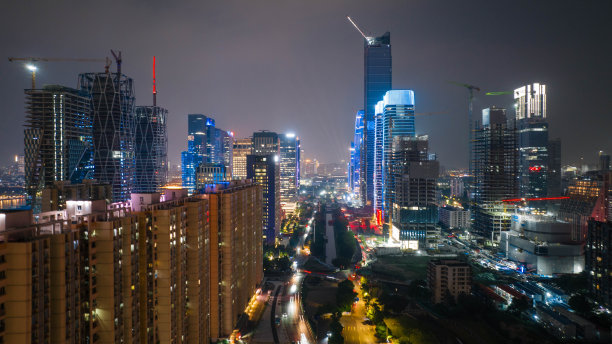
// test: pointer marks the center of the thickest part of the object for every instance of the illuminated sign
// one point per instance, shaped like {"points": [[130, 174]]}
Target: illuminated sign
{"points": [[535, 168]]}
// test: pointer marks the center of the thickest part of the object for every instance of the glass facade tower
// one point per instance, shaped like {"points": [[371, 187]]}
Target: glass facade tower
{"points": [[377, 81]]}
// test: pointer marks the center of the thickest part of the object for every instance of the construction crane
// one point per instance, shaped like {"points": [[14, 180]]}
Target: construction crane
{"points": [[32, 67], [471, 89], [498, 93]]}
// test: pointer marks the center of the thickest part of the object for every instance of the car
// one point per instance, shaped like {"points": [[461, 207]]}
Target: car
{"points": [[284, 315]]}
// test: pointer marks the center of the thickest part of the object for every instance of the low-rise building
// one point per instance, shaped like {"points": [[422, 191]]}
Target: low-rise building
{"points": [[448, 278], [453, 217]]}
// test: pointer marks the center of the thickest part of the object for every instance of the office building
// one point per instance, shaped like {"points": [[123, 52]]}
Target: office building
{"points": [[112, 116], [264, 170], [289, 160], [604, 161], [448, 278], [598, 259], [208, 173], [414, 214], [495, 168], [554, 168], [394, 117], [310, 168], [242, 148], [265, 143], [205, 144], [57, 137], [542, 243], [354, 173], [377, 81], [236, 253], [151, 149], [455, 218], [532, 131]]}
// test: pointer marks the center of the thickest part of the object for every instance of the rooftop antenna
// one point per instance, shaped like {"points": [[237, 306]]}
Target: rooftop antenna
{"points": [[357, 27], [154, 85]]}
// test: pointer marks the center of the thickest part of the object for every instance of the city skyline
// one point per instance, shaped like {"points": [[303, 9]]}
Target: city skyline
{"points": [[191, 77]]}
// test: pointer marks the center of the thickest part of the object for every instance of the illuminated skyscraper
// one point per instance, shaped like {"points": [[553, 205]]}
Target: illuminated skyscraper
{"points": [[377, 81], [151, 149], [532, 130], [58, 138], [394, 117], [264, 170], [242, 148], [266, 142], [355, 162], [112, 114], [289, 171]]}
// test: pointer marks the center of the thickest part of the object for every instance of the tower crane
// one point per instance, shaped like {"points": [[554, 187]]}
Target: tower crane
{"points": [[498, 93], [32, 67], [471, 89]]}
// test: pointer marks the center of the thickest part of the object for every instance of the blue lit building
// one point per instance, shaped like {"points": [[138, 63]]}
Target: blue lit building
{"points": [[264, 170], [113, 130], [289, 171], [394, 118], [377, 81], [205, 144], [354, 175]]}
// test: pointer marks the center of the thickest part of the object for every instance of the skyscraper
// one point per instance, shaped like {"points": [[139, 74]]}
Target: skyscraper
{"points": [[394, 117], [495, 169], [58, 138], [553, 179], [112, 114], [266, 142], [604, 161], [151, 149], [289, 171], [412, 193], [377, 81], [264, 170], [355, 162], [242, 148], [205, 144], [532, 129]]}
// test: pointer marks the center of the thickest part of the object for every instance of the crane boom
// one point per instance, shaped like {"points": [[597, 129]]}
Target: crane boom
{"points": [[357, 27], [498, 93], [53, 59]]}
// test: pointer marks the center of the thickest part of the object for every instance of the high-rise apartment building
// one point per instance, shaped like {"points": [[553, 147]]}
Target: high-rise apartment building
{"points": [[532, 131], [236, 253], [264, 171], [242, 148], [377, 81], [58, 138], [412, 194], [151, 149], [495, 168], [113, 132], [289, 161], [394, 117]]}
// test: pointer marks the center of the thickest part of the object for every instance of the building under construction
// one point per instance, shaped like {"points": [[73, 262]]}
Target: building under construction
{"points": [[58, 138], [496, 168], [113, 128]]}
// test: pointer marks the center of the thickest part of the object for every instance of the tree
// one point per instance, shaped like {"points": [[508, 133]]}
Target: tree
{"points": [[336, 331], [345, 295]]}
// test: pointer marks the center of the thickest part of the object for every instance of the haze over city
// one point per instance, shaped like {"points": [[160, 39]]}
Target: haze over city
{"points": [[293, 66]]}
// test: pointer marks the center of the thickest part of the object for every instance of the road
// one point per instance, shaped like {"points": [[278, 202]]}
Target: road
{"points": [[355, 330]]}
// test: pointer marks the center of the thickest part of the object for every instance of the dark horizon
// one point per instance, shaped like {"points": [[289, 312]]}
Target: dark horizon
{"points": [[290, 67]]}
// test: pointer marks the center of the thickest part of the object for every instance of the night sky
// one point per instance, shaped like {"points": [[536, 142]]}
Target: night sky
{"points": [[298, 65]]}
